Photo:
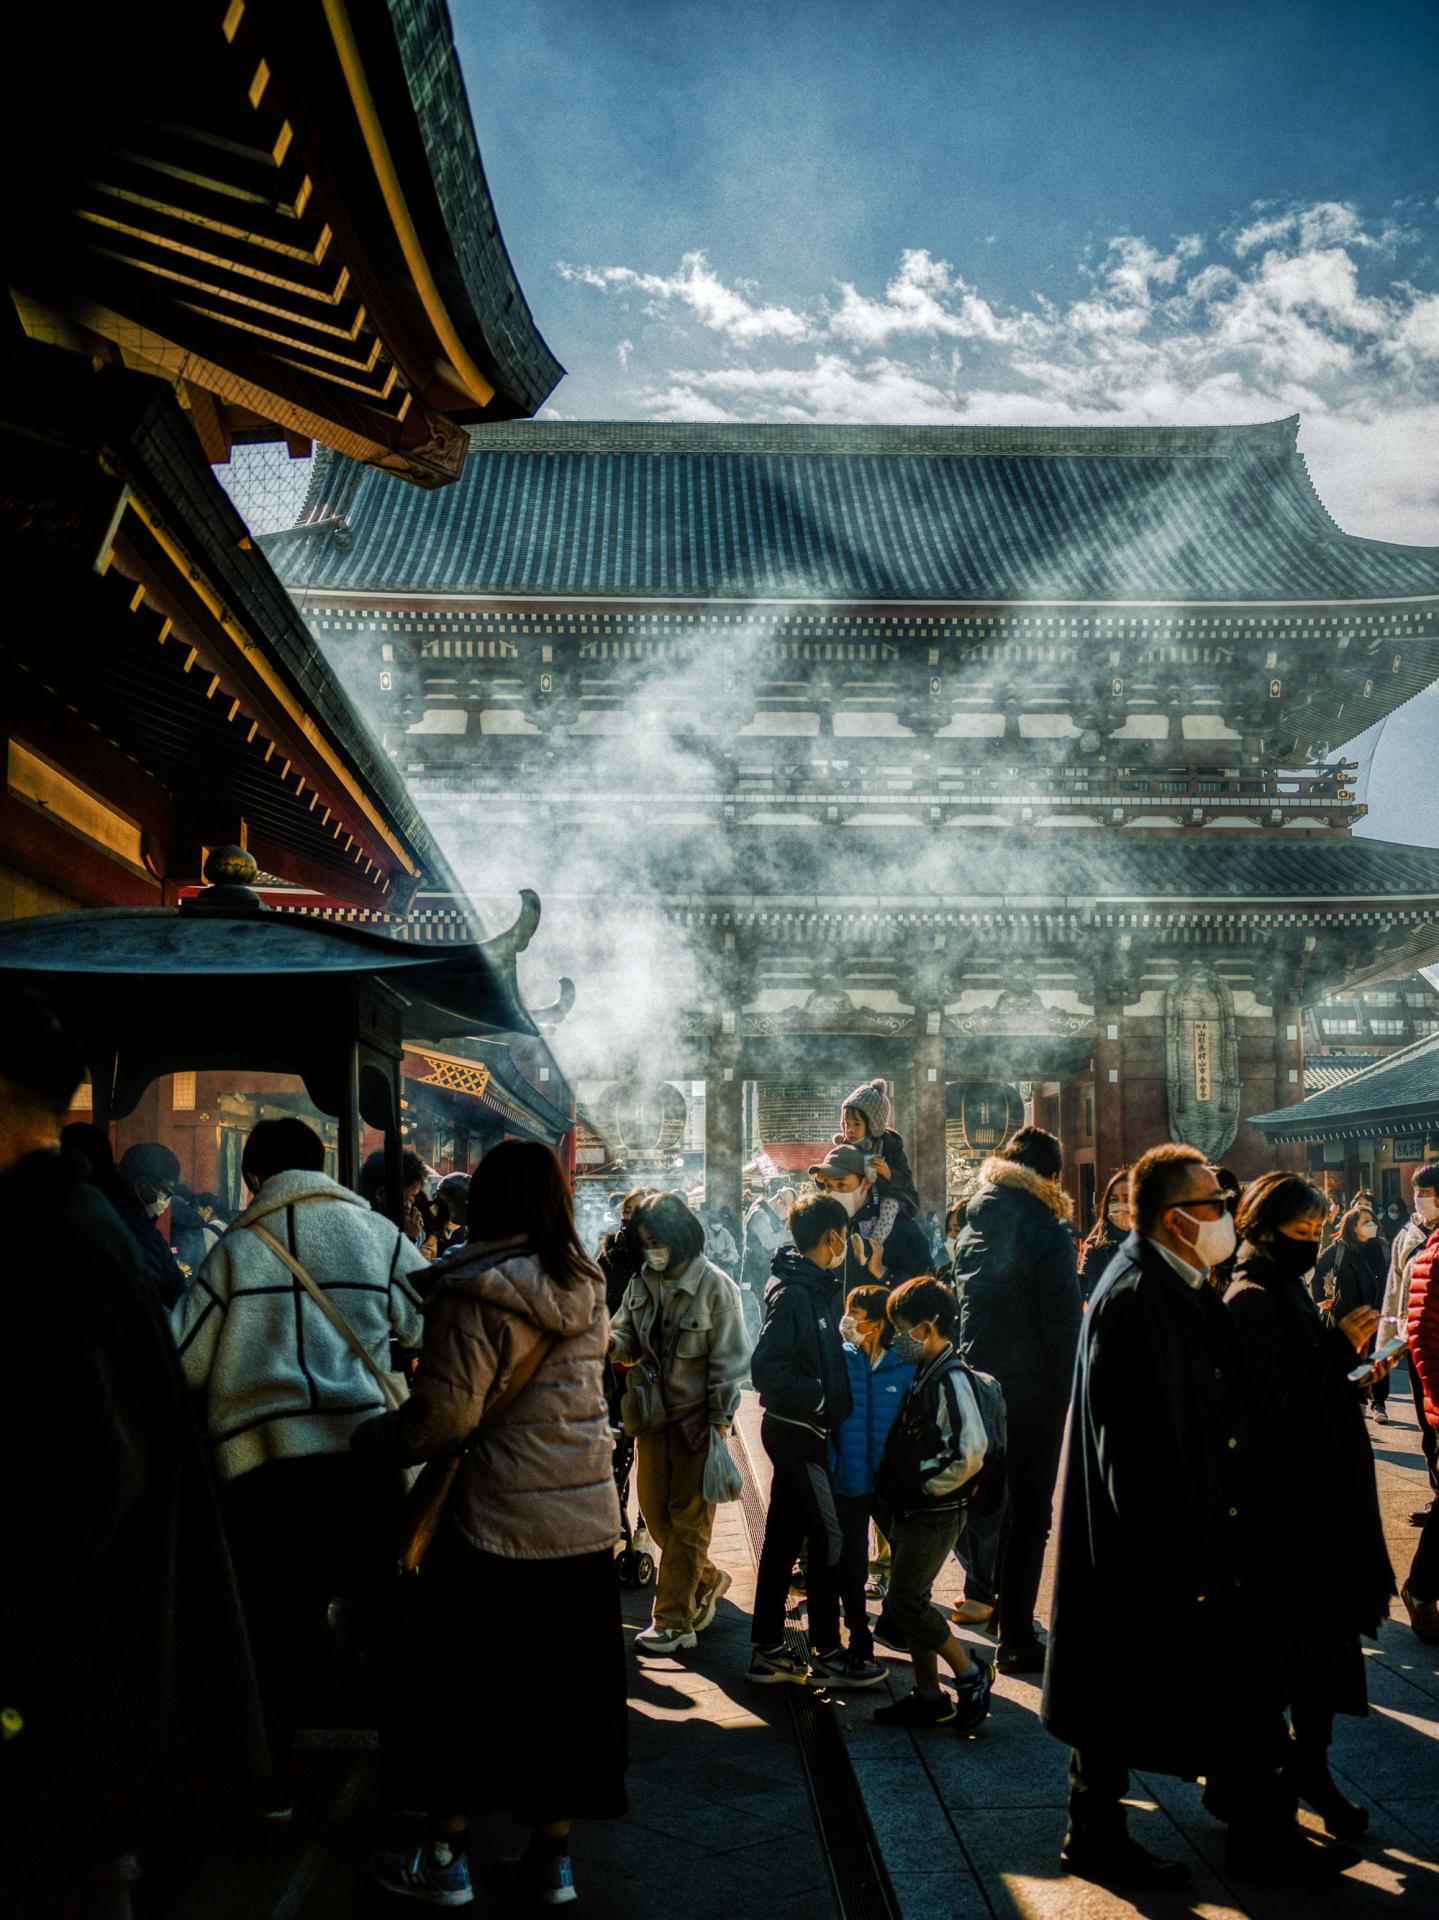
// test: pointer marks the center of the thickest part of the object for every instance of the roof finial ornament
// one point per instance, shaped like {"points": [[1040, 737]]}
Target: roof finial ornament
{"points": [[231, 873], [504, 948]]}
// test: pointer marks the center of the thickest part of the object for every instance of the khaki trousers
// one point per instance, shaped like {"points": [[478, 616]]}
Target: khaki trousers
{"points": [[680, 1520]]}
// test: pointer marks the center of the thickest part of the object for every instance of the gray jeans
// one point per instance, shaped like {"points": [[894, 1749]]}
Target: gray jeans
{"points": [[920, 1545]]}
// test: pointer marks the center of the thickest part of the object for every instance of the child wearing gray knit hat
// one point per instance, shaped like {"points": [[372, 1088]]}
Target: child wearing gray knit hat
{"points": [[864, 1121]]}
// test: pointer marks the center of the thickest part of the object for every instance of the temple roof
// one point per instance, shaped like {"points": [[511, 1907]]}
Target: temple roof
{"points": [[673, 512], [1395, 1094], [1054, 870]]}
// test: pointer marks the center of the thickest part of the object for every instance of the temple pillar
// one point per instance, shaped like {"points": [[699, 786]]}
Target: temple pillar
{"points": [[1111, 1147], [724, 1130], [927, 1154]]}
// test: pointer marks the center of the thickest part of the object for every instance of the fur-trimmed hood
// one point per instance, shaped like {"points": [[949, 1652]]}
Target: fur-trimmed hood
{"points": [[999, 1172]]}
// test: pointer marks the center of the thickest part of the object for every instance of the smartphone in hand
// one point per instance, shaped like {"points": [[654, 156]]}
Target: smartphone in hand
{"points": [[1363, 1374]]}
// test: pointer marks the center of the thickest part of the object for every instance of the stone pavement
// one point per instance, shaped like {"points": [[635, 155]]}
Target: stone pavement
{"points": [[972, 1827], [722, 1826]]}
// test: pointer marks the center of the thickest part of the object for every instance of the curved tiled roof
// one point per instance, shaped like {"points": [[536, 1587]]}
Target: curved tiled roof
{"points": [[1072, 871], [854, 513], [1400, 1091]]}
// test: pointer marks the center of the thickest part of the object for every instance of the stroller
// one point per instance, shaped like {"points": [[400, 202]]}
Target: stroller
{"points": [[635, 1552]]}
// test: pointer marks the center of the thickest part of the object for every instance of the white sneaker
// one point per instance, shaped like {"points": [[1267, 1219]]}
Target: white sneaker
{"points": [[664, 1639], [713, 1596]]}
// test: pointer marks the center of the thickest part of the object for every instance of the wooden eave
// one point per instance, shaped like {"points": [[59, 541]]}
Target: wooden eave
{"points": [[230, 213]]}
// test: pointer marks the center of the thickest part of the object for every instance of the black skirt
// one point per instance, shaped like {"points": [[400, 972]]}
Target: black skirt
{"points": [[524, 1684]]}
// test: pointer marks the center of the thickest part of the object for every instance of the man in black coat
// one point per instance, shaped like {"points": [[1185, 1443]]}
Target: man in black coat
{"points": [[130, 1712], [1153, 1660], [1019, 1313], [799, 1371]]}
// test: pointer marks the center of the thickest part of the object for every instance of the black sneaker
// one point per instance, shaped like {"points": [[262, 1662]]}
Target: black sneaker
{"points": [[1119, 1862], [841, 1668], [974, 1692], [916, 1710], [772, 1666]]}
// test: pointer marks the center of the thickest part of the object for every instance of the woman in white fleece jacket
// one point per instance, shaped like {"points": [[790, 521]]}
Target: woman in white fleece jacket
{"points": [[279, 1393]]}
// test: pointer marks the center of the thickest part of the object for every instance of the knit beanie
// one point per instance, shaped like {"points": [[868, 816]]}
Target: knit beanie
{"points": [[872, 1100]]}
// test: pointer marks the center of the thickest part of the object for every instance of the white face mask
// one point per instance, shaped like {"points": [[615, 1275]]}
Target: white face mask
{"points": [[851, 1202], [657, 1258], [1215, 1240], [848, 1327], [1367, 1230], [1427, 1208]]}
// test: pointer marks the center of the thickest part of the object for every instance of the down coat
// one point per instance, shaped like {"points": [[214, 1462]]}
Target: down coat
{"points": [[537, 1483], [878, 1391], [1423, 1326], [1015, 1275]]}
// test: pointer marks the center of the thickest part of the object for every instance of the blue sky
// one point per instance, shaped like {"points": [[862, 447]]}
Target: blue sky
{"points": [[984, 210], [992, 211]]}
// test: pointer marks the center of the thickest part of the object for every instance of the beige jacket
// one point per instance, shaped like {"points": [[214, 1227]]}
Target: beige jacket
{"points": [[537, 1483], [692, 1326]]}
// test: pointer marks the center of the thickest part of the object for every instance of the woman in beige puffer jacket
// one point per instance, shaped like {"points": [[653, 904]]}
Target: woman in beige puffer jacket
{"points": [[524, 1559]]}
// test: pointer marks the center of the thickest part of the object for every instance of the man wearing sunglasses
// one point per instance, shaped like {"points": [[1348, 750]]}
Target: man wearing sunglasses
{"points": [[1153, 1663]]}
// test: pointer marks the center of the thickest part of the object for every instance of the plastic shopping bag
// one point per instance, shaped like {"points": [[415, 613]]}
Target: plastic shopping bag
{"points": [[722, 1477]]}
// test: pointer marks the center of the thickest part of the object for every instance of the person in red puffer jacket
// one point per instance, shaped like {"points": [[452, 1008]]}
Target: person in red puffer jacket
{"points": [[1420, 1592]]}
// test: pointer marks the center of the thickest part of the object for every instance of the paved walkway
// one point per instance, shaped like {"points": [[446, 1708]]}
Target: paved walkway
{"points": [[723, 1827]]}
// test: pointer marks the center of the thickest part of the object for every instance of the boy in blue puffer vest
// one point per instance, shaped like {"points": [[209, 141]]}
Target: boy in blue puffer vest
{"points": [[878, 1379]]}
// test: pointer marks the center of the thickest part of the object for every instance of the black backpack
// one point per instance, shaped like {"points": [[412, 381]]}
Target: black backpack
{"points": [[984, 1494]]}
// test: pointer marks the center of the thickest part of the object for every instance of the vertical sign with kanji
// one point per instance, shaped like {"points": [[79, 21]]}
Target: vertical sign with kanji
{"points": [[1204, 1060]]}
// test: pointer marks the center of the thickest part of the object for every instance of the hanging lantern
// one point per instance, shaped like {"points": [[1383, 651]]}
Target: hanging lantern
{"points": [[988, 1114]]}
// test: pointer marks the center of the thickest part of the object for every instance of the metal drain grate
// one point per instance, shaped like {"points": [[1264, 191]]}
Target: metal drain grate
{"points": [[862, 1889]]}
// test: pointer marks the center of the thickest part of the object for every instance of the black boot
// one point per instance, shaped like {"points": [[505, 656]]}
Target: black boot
{"points": [[1308, 1774]]}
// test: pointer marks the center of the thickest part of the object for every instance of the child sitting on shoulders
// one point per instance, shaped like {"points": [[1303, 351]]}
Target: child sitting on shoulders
{"points": [[865, 1124]]}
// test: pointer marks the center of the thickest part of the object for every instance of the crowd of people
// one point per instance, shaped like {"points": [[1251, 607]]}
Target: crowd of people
{"points": [[390, 1422]]}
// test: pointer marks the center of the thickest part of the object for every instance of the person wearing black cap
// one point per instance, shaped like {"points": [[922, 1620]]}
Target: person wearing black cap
{"points": [[845, 1176]]}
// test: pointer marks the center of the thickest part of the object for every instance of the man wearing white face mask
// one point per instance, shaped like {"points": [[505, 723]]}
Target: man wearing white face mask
{"points": [[1158, 1516], [1394, 1312]]}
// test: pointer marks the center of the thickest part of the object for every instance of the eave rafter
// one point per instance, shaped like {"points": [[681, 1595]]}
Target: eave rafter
{"points": [[248, 209]]}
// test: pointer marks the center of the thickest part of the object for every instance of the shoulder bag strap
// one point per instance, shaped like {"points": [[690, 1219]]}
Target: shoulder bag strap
{"points": [[518, 1380], [331, 1312]]}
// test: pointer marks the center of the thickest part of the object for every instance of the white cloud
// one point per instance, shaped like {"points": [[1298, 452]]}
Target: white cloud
{"points": [[1299, 312], [926, 297], [833, 387], [695, 284], [1325, 223], [623, 352]]}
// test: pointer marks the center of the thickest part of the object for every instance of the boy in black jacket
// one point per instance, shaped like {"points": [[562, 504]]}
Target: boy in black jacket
{"points": [[934, 1450], [799, 1371]]}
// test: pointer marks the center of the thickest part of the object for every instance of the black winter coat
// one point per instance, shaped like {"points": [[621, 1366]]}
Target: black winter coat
{"points": [[121, 1643], [1313, 1464], [1355, 1275], [620, 1258], [1098, 1255], [1015, 1275], [798, 1365], [1156, 1524]]}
